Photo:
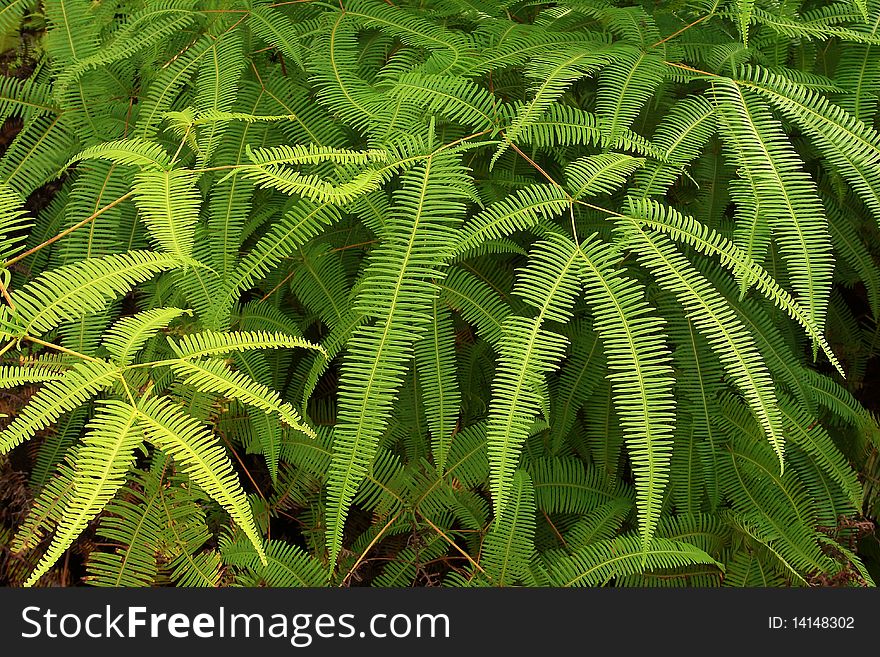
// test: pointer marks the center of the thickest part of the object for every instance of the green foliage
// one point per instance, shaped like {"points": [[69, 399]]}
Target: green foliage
{"points": [[545, 294]]}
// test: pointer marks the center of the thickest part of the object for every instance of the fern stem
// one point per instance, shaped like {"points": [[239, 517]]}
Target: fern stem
{"points": [[58, 347], [128, 392], [571, 199], [685, 67], [277, 287], [684, 29], [455, 545], [6, 296], [369, 547], [243, 466], [540, 170], [68, 231]]}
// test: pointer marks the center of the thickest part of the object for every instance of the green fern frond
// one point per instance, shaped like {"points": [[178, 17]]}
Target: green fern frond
{"points": [[214, 343], [640, 374], [850, 145], [706, 240], [520, 211], [528, 352], [101, 464], [624, 86], [435, 363], [313, 154], [141, 30], [133, 522], [285, 565], [509, 549], [12, 376], [552, 74], [212, 375], [14, 222], [206, 463], [169, 203], [714, 318], [217, 88], [600, 174], [135, 152], [73, 34], [398, 291], [72, 291], [75, 387], [128, 335], [458, 100], [778, 191], [275, 28], [604, 561]]}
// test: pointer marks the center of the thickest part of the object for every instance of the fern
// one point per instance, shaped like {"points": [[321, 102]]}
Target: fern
{"points": [[206, 464], [426, 293]]}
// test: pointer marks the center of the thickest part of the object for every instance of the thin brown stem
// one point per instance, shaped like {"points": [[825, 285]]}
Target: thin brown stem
{"points": [[555, 530], [277, 287], [243, 466], [368, 548], [58, 347], [684, 29], [539, 169], [68, 231], [455, 545], [685, 67], [6, 296]]}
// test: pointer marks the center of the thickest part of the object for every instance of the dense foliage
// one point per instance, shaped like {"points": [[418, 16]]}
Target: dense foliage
{"points": [[460, 292]]}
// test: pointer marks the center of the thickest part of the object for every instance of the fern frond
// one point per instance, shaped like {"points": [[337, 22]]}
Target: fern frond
{"points": [[714, 318], [477, 302], [72, 291], [132, 151], [211, 375], [810, 436], [107, 453], [198, 453], [14, 223], [780, 191], [217, 88], [275, 28], [689, 230], [142, 29], [286, 565], [849, 144], [567, 485], [600, 174], [127, 336], [519, 211], [410, 29], [313, 154], [398, 291], [12, 376], [509, 548], [641, 375], [458, 100], [528, 352], [552, 74], [213, 343], [79, 384], [624, 86], [133, 521], [435, 363], [169, 205], [604, 561], [73, 34]]}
